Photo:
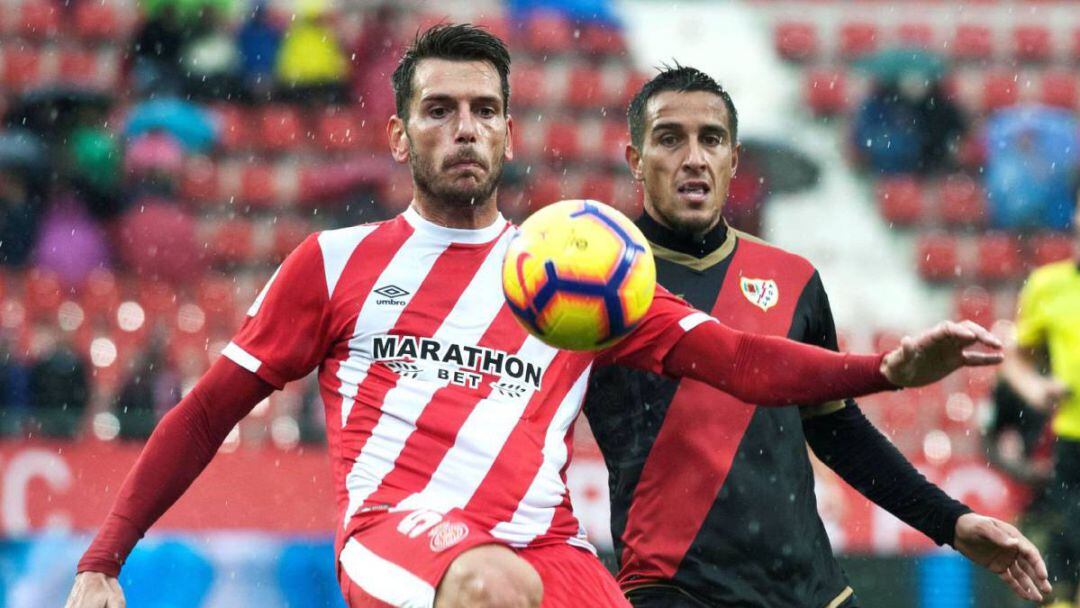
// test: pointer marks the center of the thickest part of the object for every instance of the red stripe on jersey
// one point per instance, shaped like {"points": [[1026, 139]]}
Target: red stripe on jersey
{"points": [[354, 284], [519, 460], [422, 316], [438, 426], [701, 432]]}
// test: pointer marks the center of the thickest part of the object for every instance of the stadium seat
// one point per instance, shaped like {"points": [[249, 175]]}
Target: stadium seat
{"points": [[599, 186], [858, 39], [336, 130], [900, 200], [79, 67], [231, 242], [497, 25], [38, 19], [281, 128], [527, 83], [549, 33], [1059, 88], [961, 202], [42, 293], [216, 295], [258, 184], [972, 42], [157, 298], [918, 35], [1000, 90], [998, 257], [199, 182], [976, 304], [545, 189], [396, 192], [1051, 247], [585, 88], [100, 295], [98, 20], [561, 141], [288, 234], [634, 82], [613, 140], [599, 40], [233, 127], [1032, 43], [796, 40], [937, 257], [22, 67], [825, 91]]}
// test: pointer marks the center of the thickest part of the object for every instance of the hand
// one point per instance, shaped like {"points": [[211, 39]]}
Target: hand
{"points": [[938, 352], [95, 590], [1046, 394], [1002, 549]]}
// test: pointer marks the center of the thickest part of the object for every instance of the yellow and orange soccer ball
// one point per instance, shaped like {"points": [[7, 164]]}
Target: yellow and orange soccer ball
{"points": [[579, 275]]}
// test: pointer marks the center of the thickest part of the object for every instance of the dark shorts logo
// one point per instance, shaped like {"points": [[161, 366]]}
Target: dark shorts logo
{"points": [[391, 295]]}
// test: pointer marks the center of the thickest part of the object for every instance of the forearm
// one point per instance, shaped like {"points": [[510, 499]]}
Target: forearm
{"points": [[180, 448], [772, 371], [850, 445]]}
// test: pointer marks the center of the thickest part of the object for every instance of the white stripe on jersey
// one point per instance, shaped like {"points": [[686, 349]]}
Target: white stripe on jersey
{"points": [[337, 247], [384, 580], [694, 319], [466, 323], [406, 271], [241, 357], [478, 443], [533, 516]]}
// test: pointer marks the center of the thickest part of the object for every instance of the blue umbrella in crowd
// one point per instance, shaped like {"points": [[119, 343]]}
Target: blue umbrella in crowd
{"points": [[190, 124]]}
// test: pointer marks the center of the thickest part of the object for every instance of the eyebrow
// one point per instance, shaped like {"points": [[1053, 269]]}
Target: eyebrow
{"points": [[675, 126], [439, 97]]}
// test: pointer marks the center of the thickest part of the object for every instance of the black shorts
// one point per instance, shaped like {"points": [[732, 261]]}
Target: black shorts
{"points": [[666, 596]]}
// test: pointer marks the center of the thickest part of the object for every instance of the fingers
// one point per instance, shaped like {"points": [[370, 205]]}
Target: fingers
{"points": [[1025, 585], [974, 358], [1032, 563]]}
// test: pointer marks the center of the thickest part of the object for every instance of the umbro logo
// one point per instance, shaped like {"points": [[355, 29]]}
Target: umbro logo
{"points": [[391, 295]]}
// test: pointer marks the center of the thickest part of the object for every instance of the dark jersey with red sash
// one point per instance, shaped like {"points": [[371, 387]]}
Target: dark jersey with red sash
{"points": [[710, 494]]}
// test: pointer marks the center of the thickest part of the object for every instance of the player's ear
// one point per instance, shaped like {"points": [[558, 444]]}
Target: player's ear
{"points": [[399, 140], [735, 158], [633, 159], [508, 153]]}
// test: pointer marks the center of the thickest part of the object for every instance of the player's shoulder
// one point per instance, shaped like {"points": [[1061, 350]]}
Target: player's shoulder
{"points": [[1054, 273], [771, 253]]}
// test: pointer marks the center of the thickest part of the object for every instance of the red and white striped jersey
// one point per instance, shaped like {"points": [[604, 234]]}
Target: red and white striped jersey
{"points": [[436, 398]]}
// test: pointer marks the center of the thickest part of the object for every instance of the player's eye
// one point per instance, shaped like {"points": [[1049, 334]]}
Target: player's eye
{"points": [[712, 140], [668, 140], [487, 112], [438, 112]]}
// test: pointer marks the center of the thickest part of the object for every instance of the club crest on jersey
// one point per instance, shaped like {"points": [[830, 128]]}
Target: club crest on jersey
{"points": [[762, 293], [447, 534]]}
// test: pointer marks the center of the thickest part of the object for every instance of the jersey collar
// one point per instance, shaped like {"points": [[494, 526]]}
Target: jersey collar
{"points": [[455, 235]]}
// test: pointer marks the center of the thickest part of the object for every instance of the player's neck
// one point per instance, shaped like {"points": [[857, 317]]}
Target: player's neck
{"points": [[470, 217], [697, 245]]}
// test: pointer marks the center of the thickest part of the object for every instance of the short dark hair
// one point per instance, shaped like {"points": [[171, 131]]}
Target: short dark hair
{"points": [[457, 42], [683, 79]]}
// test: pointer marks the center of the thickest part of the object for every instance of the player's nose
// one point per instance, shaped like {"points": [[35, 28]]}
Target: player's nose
{"points": [[695, 158], [466, 128]]}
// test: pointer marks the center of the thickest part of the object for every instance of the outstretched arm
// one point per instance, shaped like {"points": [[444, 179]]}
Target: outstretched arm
{"points": [[180, 448], [772, 371]]}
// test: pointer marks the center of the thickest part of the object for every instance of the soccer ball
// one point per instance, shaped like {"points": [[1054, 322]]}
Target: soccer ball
{"points": [[579, 275]]}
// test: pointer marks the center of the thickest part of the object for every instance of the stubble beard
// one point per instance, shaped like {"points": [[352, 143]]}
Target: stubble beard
{"points": [[429, 181]]}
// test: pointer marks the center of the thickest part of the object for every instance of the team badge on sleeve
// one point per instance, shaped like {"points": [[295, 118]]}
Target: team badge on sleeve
{"points": [[762, 293]]}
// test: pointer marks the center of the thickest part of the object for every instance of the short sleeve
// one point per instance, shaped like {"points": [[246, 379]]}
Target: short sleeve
{"points": [[286, 332], [1030, 315], [668, 320]]}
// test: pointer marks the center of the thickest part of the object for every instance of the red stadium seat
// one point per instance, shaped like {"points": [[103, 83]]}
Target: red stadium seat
{"points": [[79, 67], [200, 181], [858, 39], [216, 295], [396, 193], [231, 242], [1051, 247], [613, 140], [975, 303], [938, 259], [545, 189], [258, 184], [527, 85], [497, 25], [1032, 43], [98, 20], [585, 88], [100, 294], [915, 35], [961, 202], [634, 82], [599, 187], [42, 294], [38, 19], [599, 39], [337, 130], [1059, 88], [288, 234], [972, 42], [796, 40], [549, 33], [233, 127], [900, 200], [826, 91], [1000, 90], [561, 141], [281, 128], [22, 67], [998, 257]]}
